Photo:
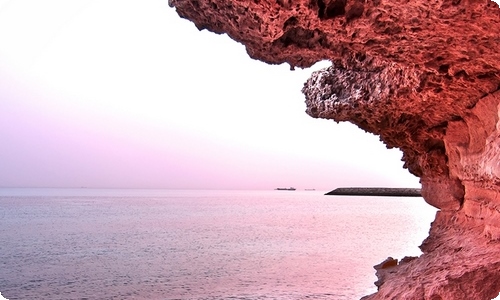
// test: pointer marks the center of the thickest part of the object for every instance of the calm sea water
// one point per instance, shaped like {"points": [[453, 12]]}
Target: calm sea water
{"points": [[163, 244]]}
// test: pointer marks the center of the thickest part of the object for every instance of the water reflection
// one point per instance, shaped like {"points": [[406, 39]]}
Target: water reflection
{"points": [[202, 245]]}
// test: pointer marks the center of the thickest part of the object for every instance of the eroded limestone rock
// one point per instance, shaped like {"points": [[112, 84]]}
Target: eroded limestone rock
{"points": [[425, 77]]}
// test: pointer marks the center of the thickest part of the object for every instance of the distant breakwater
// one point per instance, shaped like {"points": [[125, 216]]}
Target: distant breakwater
{"points": [[376, 191]]}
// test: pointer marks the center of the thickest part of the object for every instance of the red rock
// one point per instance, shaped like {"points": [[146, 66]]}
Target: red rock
{"points": [[425, 77]]}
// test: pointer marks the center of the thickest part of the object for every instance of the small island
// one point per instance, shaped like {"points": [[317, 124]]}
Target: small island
{"points": [[376, 191]]}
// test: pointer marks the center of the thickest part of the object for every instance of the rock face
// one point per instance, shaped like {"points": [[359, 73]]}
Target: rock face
{"points": [[424, 76]]}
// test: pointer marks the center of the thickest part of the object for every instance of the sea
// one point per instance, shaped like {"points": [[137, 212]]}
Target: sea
{"points": [[201, 244]]}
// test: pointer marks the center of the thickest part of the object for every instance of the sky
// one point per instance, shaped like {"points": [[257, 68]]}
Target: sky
{"points": [[126, 94]]}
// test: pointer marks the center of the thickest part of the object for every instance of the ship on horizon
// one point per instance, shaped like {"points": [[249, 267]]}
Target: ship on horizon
{"points": [[286, 189]]}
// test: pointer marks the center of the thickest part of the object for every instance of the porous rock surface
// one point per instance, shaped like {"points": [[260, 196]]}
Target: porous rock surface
{"points": [[424, 75]]}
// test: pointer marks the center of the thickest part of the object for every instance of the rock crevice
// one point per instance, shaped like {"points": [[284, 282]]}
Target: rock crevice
{"points": [[425, 77]]}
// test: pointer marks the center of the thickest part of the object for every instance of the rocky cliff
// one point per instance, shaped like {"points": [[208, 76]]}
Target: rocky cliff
{"points": [[424, 76]]}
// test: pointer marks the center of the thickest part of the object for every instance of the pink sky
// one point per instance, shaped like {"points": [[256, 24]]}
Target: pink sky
{"points": [[126, 94]]}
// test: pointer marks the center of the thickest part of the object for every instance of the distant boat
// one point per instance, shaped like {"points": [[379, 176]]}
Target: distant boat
{"points": [[286, 189]]}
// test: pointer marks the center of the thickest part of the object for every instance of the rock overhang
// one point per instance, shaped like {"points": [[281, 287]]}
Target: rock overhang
{"points": [[429, 59]]}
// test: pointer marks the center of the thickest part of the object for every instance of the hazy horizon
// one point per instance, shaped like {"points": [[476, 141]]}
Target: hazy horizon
{"points": [[121, 94]]}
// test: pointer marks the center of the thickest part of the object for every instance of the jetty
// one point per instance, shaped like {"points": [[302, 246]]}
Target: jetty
{"points": [[376, 191]]}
